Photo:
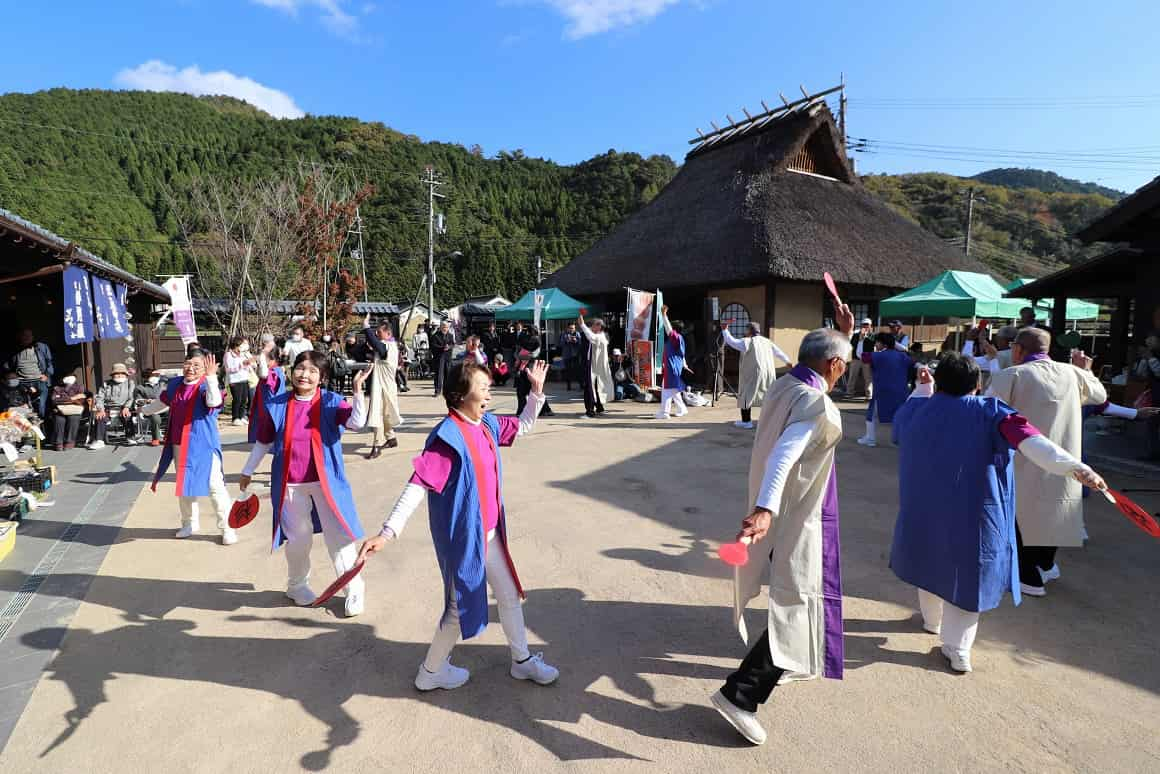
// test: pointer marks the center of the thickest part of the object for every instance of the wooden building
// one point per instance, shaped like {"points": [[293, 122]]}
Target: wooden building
{"points": [[1128, 274], [32, 261], [757, 213]]}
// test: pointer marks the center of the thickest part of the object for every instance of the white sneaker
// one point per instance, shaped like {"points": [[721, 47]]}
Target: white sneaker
{"points": [[743, 425], [448, 677], [245, 420], [662, 415], [96, 445], [131, 441], [1050, 575], [187, 530], [745, 722], [870, 442], [301, 595], [932, 629], [354, 604], [1033, 591], [229, 537], [536, 670], [960, 662]]}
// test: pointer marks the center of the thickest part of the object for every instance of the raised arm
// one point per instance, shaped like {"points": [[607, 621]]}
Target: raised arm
{"points": [[780, 354], [741, 345], [588, 334], [665, 321]]}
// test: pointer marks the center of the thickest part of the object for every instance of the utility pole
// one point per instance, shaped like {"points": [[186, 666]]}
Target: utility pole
{"points": [[432, 184], [359, 255], [970, 218], [842, 110]]}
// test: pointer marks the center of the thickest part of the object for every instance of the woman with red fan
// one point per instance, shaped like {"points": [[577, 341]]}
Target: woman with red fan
{"points": [[303, 428], [460, 473]]}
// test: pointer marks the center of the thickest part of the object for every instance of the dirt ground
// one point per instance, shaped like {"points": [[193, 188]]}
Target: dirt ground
{"points": [[187, 657]]}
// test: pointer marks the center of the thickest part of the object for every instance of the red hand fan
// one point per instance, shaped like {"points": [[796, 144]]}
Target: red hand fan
{"points": [[735, 554], [1137, 515], [338, 585], [244, 510], [830, 286], [583, 310]]}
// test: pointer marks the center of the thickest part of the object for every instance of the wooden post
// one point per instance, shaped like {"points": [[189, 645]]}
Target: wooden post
{"points": [[1118, 355], [1059, 316]]}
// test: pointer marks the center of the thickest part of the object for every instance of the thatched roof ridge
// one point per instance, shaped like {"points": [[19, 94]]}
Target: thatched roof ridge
{"points": [[1135, 218], [735, 214]]}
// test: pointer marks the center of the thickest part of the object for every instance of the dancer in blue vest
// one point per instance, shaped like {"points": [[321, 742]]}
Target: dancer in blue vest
{"points": [[303, 427], [192, 442], [460, 473], [960, 551], [891, 368], [673, 368]]}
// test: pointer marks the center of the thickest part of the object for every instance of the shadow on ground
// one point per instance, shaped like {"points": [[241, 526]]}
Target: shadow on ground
{"points": [[351, 660]]}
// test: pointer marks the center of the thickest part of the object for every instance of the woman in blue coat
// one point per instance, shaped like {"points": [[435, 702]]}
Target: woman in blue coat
{"points": [[955, 535]]}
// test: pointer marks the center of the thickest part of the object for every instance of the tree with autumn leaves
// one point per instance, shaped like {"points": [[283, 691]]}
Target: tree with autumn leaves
{"points": [[252, 244]]}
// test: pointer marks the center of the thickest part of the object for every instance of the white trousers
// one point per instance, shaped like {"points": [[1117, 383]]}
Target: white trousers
{"points": [[672, 396], [299, 530], [219, 496], [507, 599], [957, 627]]}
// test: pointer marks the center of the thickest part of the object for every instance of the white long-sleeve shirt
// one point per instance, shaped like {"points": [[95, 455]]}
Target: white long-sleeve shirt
{"points": [[414, 494], [743, 345]]}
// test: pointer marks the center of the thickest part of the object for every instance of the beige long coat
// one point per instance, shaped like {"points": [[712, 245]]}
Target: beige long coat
{"points": [[797, 601], [1049, 508]]}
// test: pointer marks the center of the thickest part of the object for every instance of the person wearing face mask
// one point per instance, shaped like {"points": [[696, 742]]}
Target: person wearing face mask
{"points": [[303, 427], [68, 404], [33, 365], [239, 365], [296, 344], [460, 474], [150, 390], [192, 442], [114, 400], [13, 393], [792, 529]]}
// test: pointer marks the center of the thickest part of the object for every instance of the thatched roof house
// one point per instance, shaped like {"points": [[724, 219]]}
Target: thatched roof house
{"points": [[756, 214]]}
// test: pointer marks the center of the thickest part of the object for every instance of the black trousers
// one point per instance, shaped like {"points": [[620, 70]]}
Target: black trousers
{"points": [[239, 399], [755, 679], [65, 429], [592, 402], [401, 378], [1032, 559], [747, 415], [442, 366], [571, 372]]}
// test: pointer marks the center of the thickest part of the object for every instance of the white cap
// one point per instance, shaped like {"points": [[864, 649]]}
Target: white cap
{"points": [[617, 352], [867, 321]]}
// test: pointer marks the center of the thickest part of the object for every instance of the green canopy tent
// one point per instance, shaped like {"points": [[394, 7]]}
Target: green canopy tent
{"points": [[962, 294], [557, 305], [1076, 309]]}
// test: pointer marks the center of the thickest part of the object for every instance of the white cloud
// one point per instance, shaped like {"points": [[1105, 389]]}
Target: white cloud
{"points": [[591, 17], [156, 75], [334, 15]]}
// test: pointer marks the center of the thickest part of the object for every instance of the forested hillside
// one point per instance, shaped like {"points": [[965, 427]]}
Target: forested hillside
{"points": [[98, 167], [95, 166]]}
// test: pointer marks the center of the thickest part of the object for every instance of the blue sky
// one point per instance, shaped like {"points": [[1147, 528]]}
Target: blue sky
{"points": [[1073, 81]]}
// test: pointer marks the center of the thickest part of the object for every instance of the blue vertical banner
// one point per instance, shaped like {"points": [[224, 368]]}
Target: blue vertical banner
{"points": [[78, 306], [110, 309]]}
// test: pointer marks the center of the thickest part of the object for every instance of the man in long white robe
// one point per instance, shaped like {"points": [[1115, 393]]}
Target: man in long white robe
{"points": [[1048, 508], [758, 369], [594, 368], [384, 411], [793, 530]]}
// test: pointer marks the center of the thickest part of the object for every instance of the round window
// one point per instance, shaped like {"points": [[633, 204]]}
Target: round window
{"points": [[739, 316]]}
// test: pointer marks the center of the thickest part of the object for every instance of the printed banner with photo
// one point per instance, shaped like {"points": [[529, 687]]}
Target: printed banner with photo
{"points": [[641, 351], [182, 308]]}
